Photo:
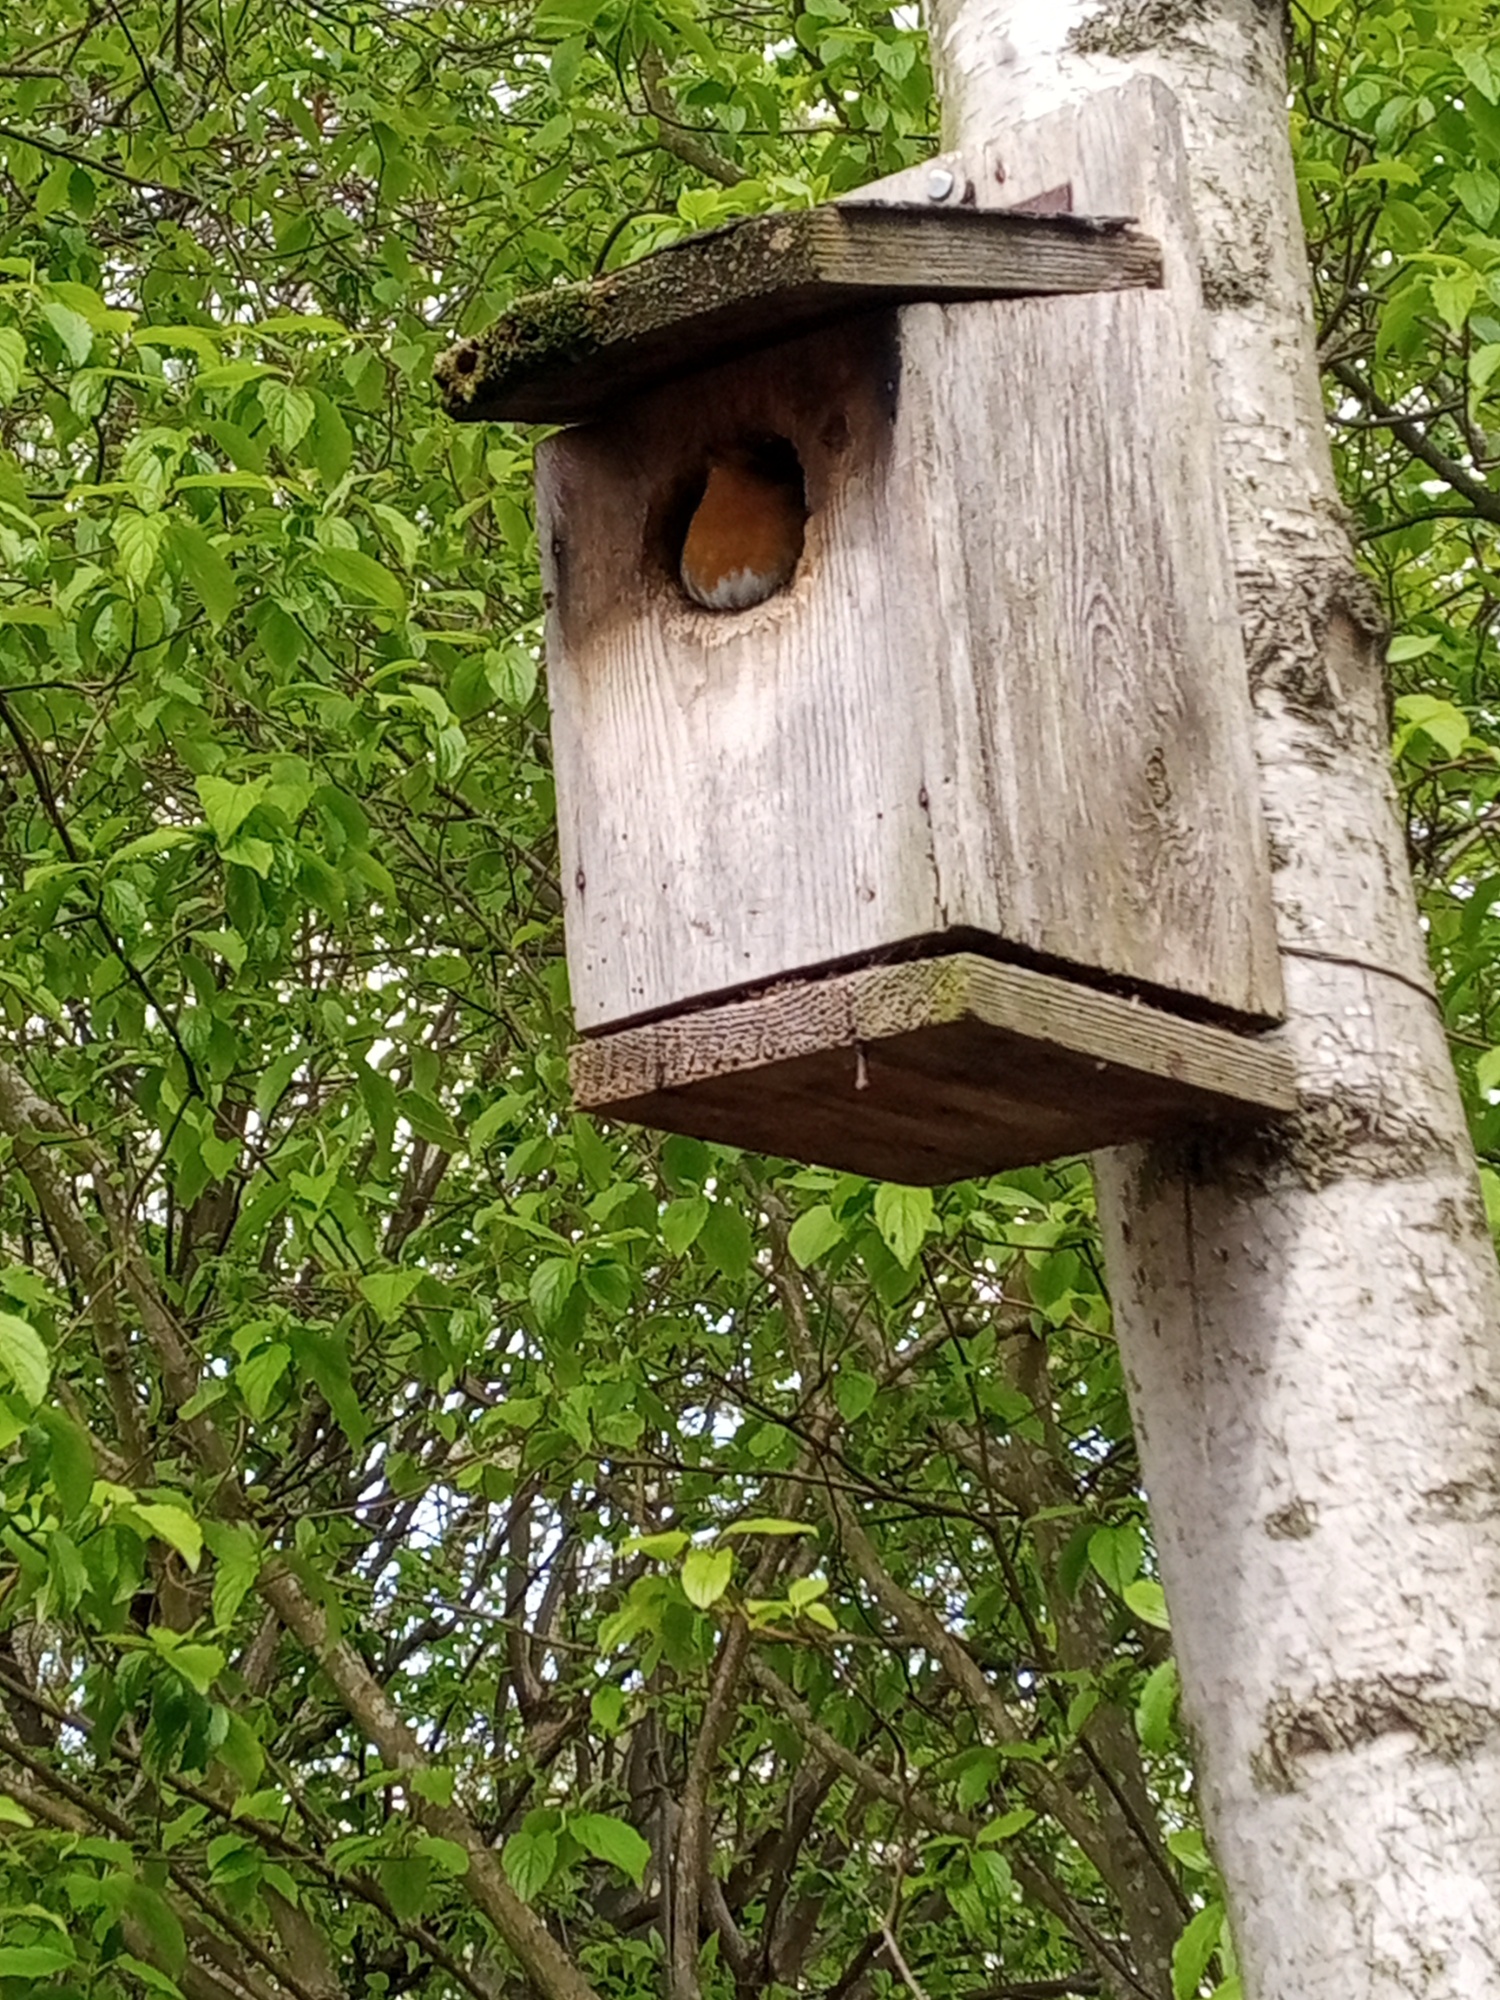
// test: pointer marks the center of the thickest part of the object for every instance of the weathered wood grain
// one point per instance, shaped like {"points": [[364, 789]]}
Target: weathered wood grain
{"points": [[572, 353], [930, 1071], [1003, 698]]}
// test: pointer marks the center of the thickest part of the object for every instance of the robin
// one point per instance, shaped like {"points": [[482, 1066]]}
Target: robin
{"points": [[745, 538]]}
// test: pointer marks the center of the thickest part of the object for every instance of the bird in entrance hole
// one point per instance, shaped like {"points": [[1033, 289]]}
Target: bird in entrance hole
{"points": [[745, 538]]}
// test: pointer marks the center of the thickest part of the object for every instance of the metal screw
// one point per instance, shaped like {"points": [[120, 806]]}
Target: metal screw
{"points": [[940, 184]]}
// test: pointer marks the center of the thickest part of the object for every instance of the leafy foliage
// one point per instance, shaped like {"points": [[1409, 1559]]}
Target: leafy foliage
{"points": [[423, 1507], [1398, 131]]}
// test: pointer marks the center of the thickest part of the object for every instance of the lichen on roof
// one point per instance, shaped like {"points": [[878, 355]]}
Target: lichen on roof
{"points": [[544, 330], [554, 329]]}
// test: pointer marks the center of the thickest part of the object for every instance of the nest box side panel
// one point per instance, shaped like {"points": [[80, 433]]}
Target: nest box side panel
{"points": [[1057, 461], [739, 794]]}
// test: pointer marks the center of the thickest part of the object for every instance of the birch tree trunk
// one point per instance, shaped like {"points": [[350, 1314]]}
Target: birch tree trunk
{"points": [[1308, 1318]]}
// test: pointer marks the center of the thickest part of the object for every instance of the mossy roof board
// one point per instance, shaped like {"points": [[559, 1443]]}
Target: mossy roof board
{"points": [[568, 354]]}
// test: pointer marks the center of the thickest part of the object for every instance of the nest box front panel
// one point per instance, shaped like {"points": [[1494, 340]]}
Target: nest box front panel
{"points": [[736, 791], [1000, 700]]}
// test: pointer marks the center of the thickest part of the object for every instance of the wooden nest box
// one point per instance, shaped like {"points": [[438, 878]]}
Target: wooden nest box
{"points": [[902, 736]]}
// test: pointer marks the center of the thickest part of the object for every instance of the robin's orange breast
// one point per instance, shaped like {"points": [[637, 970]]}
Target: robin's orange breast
{"points": [[745, 540]]}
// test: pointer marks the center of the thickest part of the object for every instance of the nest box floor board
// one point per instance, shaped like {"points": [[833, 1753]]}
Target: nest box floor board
{"points": [[930, 1072]]}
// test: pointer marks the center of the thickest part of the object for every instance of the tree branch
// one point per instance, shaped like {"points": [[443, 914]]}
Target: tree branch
{"points": [[672, 135], [1480, 495], [549, 1967]]}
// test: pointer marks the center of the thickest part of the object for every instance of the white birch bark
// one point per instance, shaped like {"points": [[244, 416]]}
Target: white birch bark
{"points": [[1308, 1319]]}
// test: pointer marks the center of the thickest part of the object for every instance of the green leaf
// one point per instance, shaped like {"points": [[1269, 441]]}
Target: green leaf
{"points": [[445, 1854], [854, 1392], [976, 1771], [257, 1375], [138, 537], [204, 568], [905, 1217], [607, 1709], [1411, 646], [607, 1284], [35, 1961], [23, 1358], [436, 1785], [363, 578], [686, 1163], [611, 1840], [406, 1879], [529, 1858], [280, 635], [289, 411], [331, 445], [1481, 71], [12, 362], [162, 841], [226, 805], [200, 1666], [1478, 188], [173, 1525], [706, 1574], [1153, 1713], [1187, 1846], [157, 1918], [725, 1240], [815, 1232], [240, 1753], [512, 675], [768, 1524], [69, 1578], [150, 1976], [1447, 726], [1454, 294], [682, 1221], [403, 532], [12, 1814], [72, 329], [237, 1558], [388, 1291], [1194, 1949], [551, 1287], [324, 1361], [1115, 1554], [198, 341], [1148, 1601], [663, 1547]]}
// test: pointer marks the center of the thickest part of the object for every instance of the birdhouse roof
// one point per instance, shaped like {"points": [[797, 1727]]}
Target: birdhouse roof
{"points": [[567, 354]]}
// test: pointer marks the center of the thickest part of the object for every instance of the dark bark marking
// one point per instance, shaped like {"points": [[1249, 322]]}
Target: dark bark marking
{"points": [[1135, 27], [1343, 1716]]}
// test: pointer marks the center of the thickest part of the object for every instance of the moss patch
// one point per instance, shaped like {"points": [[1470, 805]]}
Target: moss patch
{"points": [[551, 331]]}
